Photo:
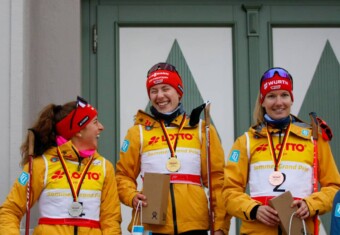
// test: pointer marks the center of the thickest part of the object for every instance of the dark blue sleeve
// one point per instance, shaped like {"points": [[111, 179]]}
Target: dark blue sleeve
{"points": [[335, 222]]}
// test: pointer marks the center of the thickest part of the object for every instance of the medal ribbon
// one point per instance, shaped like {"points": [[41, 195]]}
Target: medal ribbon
{"points": [[75, 192], [283, 146], [172, 147]]}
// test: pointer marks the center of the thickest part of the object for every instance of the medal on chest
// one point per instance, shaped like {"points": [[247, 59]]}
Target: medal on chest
{"points": [[76, 209], [173, 164], [277, 178]]}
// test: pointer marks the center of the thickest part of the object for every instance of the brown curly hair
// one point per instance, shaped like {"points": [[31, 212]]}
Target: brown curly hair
{"points": [[44, 129]]}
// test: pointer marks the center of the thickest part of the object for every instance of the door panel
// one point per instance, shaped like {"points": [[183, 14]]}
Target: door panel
{"points": [[206, 70]]}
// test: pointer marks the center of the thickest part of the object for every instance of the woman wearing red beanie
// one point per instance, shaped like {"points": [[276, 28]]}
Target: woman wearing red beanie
{"points": [[167, 135], [74, 186], [277, 155]]}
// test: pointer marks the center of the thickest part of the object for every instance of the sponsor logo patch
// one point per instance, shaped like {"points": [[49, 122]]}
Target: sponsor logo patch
{"points": [[289, 147], [125, 146], [97, 162], [234, 156], [153, 140], [76, 175], [54, 159], [337, 210], [305, 132], [23, 178], [148, 125], [83, 121], [183, 136], [57, 175]]}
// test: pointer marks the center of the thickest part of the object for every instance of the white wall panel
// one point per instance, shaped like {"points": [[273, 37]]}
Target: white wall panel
{"points": [[210, 65], [299, 51]]}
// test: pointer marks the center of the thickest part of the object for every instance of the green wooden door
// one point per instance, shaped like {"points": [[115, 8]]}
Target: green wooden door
{"points": [[122, 39], [117, 71]]}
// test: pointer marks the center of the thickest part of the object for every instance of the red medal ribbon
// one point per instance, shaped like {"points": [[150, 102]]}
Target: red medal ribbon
{"points": [[272, 148], [172, 147], [75, 192]]}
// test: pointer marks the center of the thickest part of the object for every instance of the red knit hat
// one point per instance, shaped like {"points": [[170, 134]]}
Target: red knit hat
{"points": [[164, 73], [76, 120], [276, 79]]}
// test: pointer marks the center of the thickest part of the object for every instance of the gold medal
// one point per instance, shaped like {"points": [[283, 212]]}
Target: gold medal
{"points": [[173, 164], [276, 178]]}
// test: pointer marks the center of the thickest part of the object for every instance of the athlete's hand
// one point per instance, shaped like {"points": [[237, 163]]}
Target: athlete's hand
{"points": [[139, 197], [302, 212], [268, 216]]}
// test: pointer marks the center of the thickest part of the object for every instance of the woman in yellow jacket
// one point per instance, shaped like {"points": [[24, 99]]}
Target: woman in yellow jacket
{"points": [[275, 156], [74, 185], [164, 135]]}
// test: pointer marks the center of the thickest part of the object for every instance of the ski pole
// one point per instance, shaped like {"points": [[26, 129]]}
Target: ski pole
{"points": [[315, 164], [29, 184], [207, 132]]}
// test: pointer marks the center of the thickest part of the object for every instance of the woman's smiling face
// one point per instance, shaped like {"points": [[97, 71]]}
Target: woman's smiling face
{"points": [[278, 104], [164, 98]]}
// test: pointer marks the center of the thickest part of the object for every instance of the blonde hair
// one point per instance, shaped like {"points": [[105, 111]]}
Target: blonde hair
{"points": [[259, 111]]}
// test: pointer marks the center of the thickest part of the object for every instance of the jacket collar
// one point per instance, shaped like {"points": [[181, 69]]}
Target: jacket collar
{"points": [[145, 119], [298, 128], [68, 151]]}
